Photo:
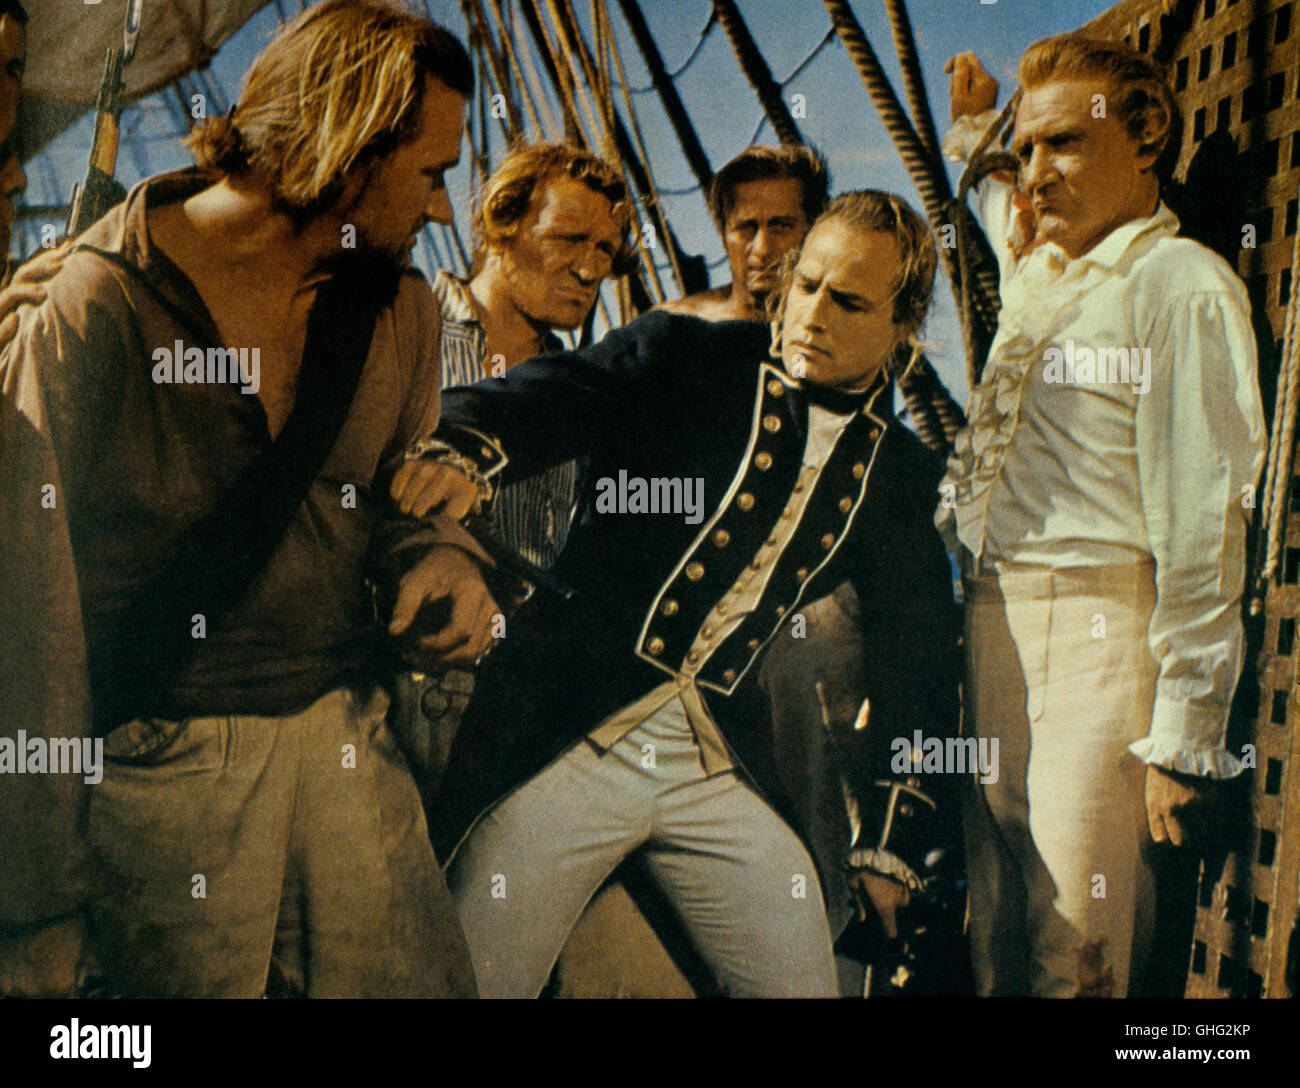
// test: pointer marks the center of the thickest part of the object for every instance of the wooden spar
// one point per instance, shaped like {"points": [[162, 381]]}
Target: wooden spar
{"points": [[667, 91], [757, 72]]}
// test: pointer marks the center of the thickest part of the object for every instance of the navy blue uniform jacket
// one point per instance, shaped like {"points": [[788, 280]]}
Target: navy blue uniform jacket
{"points": [[676, 397]]}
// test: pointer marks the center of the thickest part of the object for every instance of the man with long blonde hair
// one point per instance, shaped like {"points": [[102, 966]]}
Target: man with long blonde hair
{"points": [[232, 365]]}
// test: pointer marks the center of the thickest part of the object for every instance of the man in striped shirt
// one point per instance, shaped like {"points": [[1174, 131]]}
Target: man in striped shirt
{"points": [[551, 224]]}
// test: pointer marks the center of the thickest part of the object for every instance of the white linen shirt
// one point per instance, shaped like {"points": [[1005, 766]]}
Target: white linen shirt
{"points": [[1094, 470]]}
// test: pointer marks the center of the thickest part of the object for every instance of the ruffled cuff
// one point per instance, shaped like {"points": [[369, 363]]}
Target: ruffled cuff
{"points": [[1187, 739], [966, 132], [886, 864]]}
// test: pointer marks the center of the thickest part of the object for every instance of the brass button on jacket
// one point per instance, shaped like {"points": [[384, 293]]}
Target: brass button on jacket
{"points": [[763, 461], [745, 501], [694, 571], [721, 538], [669, 607]]}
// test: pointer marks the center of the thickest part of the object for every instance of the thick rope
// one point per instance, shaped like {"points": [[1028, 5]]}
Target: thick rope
{"points": [[1281, 449], [757, 72], [913, 85], [936, 415], [981, 164], [927, 173]]}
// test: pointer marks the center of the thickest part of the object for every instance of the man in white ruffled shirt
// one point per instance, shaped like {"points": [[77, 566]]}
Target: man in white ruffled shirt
{"points": [[1100, 497]]}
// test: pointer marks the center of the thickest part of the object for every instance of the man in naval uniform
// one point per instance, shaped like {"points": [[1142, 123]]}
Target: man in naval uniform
{"points": [[627, 717]]}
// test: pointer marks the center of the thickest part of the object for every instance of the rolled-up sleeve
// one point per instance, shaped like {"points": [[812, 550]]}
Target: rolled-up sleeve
{"points": [[1200, 447]]}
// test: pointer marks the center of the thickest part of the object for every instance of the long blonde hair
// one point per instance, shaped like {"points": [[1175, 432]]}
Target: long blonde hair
{"points": [[339, 87]]}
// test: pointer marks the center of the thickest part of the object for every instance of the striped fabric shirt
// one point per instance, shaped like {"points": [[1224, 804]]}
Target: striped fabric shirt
{"points": [[532, 516]]}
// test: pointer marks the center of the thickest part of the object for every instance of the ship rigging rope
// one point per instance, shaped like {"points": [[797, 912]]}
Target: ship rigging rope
{"points": [[570, 88], [553, 129], [484, 44], [981, 164], [508, 48], [830, 36], [1281, 447], [926, 172], [757, 72], [600, 16], [913, 85], [681, 69]]}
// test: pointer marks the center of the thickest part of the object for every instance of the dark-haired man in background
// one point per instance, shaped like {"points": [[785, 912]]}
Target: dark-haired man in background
{"points": [[763, 202]]}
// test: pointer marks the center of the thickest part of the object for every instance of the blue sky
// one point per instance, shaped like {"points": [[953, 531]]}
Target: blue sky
{"points": [[840, 118]]}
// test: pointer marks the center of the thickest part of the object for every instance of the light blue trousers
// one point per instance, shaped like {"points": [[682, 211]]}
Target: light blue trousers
{"points": [[743, 883]]}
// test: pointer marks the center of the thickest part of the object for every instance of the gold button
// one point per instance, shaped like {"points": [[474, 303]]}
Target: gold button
{"points": [[763, 461], [873, 434], [655, 646], [745, 500], [776, 388], [788, 512], [905, 810], [669, 607], [692, 657], [827, 541], [772, 424], [859, 470], [801, 573], [729, 676], [707, 633], [694, 571], [752, 644], [846, 504], [721, 538], [780, 610], [913, 781], [720, 610]]}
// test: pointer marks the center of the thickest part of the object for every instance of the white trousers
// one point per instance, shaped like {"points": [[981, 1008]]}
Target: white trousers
{"points": [[743, 883], [1058, 670]]}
